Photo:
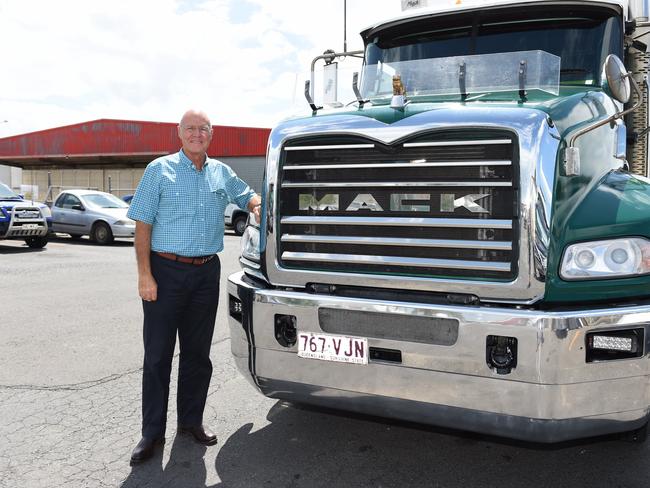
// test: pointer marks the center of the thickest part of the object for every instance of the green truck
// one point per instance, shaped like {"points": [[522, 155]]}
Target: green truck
{"points": [[466, 243]]}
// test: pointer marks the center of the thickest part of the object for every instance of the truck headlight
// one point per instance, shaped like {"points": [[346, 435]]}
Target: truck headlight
{"points": [[46, 212], [613, 258], [250, 244]]}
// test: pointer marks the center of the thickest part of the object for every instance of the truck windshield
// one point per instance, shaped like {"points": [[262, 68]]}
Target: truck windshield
{"points": [[7, 194], [581, 37], [104, 200]]}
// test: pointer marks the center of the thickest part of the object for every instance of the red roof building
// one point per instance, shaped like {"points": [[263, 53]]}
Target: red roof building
{"points": [[119, 143]]}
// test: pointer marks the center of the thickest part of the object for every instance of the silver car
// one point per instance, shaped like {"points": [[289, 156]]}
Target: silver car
{"points": [[100, 215]]}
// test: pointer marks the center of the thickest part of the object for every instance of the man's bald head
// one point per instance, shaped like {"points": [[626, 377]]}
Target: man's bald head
{"points": [[195, 132], [192, 114]]}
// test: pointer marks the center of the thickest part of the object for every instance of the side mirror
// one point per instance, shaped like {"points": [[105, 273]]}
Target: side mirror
{"points": [[615, 80], [78, 207], [21, 195]]}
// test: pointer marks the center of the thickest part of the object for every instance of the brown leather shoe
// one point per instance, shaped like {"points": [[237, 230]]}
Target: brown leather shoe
{"points": [[145, 449], [201, 434]]}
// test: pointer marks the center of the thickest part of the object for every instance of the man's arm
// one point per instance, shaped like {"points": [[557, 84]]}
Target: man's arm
{"points": [[147, 286]]}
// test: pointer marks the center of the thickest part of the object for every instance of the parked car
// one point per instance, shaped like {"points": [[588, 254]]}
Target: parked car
{"points": [[235, 218], [23, 219], [97, 214]]}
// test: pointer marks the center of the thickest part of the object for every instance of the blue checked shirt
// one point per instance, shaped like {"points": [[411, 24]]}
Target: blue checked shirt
{"points": [[184, 206]]}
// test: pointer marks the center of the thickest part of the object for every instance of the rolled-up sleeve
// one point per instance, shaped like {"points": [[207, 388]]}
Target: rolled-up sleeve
{"points": [[144, 205], [237, 189]]}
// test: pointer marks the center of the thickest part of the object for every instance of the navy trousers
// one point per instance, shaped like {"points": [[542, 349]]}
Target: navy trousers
{"points": [[187, 305]]}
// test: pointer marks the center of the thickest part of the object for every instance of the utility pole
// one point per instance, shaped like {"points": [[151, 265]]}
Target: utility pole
{"points": [[345, 26]]}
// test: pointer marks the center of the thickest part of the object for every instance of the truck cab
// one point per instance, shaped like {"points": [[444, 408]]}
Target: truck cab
{"points": [[465, 243], [22, 219]]}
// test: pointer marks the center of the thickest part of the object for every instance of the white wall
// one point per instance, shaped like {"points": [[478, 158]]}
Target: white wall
{"points": [[10, 176]]}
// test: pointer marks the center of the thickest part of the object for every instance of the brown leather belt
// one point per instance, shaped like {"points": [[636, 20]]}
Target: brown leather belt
{"points": [[197, 261]]}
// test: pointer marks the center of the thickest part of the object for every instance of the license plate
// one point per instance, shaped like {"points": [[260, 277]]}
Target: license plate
{"points": [[329, 347], [29, 226]]}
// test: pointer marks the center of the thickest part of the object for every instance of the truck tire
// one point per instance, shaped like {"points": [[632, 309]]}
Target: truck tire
{"points": [[36, 242], [239, 224], [101, 233]]}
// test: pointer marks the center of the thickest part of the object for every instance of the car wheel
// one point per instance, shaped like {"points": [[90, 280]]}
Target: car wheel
{"points": [[240, 224], [75, 237], [101, 233], [36, 242]]}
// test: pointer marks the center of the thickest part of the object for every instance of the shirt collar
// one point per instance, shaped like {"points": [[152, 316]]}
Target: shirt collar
{"points": [[188, 162]]}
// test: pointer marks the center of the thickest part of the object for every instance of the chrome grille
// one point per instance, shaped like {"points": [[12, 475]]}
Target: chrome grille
{"points": [[441, 204]]}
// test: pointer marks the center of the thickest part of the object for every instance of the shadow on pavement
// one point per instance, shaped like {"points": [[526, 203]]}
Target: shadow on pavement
{"points": [[185, 468], [19, 250], [85, 241], [305, 448]]}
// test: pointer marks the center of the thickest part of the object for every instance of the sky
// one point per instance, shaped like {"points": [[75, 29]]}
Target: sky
{"points": [[71, 61]]}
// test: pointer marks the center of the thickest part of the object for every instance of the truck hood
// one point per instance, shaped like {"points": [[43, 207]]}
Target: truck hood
{"points": [[573, 106], [12, 203]]}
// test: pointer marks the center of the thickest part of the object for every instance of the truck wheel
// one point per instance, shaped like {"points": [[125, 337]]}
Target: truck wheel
{"points": [[101, 233], [240, 224], [36, 242]]}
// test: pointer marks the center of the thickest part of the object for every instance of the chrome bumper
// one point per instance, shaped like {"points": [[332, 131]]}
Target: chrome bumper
{"points": [[552, 395]]}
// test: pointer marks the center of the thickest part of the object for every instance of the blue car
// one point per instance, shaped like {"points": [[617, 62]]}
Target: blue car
{"points": [[23, 219]]}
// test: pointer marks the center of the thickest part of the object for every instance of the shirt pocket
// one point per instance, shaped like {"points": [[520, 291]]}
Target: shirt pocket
{"points": [[178, 202]]}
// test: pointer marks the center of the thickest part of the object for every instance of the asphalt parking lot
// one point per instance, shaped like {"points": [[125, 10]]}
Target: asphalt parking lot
{"points": [[70, 366]]}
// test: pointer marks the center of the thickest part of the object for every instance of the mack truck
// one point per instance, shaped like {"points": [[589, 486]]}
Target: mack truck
{"points": [[466, 242]]}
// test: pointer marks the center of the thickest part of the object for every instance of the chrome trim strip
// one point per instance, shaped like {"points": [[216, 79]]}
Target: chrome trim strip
{"points": [[401, 221], [395, 261], [457, 143], [405, 184], [337, 146], [442, 164], [396, 241]]}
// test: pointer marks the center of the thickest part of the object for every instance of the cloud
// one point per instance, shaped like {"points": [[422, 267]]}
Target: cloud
{"points": [[72, 61]]}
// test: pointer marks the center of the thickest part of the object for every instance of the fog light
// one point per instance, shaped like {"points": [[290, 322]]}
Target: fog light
{"points": [[615, 344], [501, 353], [285, 330]]}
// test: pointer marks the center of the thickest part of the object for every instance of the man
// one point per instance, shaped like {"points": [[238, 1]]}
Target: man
{"points": [[178, 208]]}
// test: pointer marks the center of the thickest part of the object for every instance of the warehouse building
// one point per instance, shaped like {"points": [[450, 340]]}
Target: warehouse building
{"points": [[110, 155]]}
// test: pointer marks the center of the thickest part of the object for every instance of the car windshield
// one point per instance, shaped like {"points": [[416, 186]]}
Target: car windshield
{"points": [[7, 194], [104, 200], [581, 37]]}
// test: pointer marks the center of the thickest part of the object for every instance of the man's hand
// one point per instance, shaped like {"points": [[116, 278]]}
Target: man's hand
{"points": [[148, 288], [255, 206]]}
